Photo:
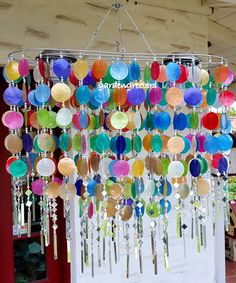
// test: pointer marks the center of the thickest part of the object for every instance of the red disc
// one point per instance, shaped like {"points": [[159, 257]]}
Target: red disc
{"points": [[226, 98], [155, 70], [210, 121], [183, 75], [215, 160]]}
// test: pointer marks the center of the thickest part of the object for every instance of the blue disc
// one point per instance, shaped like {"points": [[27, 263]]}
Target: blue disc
{"points": [[42, 93], [173, 71], [139, 208], [193, 96], [211, 144], [12, 95], [101, 95], [90, 187], [135, 71], [120, 144], [165, 206], [225, 142], [27, 142], [61, 68], [83, 119], [223, 165], [119, 70], [165, 188], [164, 120], [195, 167], [82, 94], [187, 145], [78, 185], [32, 158], [180, 121], [32, 100], [110, 167]]}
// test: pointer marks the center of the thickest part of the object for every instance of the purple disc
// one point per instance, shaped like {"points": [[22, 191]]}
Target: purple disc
{"points": [[136, 96], [37, 186], [89, 80], [193, 96], [12, 95], [128, 201]]}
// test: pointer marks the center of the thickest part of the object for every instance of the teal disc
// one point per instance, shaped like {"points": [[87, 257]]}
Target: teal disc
{"points": [[18, 168]]}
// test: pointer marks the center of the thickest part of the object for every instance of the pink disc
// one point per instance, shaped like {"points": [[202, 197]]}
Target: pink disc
{"points": [[13, 120], [57, 180], [76, 121], [121, 168], [37, 186], [83, 144], [155, 95], [226, 98], [230, 78], [90, 210], [201, 140], [23, 67]]}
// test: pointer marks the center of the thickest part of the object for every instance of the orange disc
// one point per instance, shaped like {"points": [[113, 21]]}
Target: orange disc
{"points": [[221, 74], [162, 75], [120, 96], [174, 96], [204, 101], [99, 69], [165, 140], [34, 120], [66, 166], [13, 143], [52, 190], [147, 142], [175, 145]]}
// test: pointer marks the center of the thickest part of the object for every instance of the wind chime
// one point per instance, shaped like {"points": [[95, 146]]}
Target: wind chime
{"points": [[129, 124]]}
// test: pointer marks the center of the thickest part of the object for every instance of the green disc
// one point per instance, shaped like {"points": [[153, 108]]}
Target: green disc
{"points": [[156, 143], [185, 167], [52, 121], [18, 168], [43, 118], [211, 96], [165, 163], [137, 143], [64, 140], [152, 210], [147, 74], [92, 123], [128, 146], [102, 142], [194, 120], [76, 142], [127, 191]]}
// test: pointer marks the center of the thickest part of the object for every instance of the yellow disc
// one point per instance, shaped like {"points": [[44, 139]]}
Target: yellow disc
{"points": [[115, 191], [175, 145], [138, 168], [205, 77], [174, 96], [11, 71], [52, 190], [203, 186], [45, 141], [13, 143], [80, 69], [119, 120], [131, 120], [66, 166], [60, 92], [67, 190], [147, 142]]}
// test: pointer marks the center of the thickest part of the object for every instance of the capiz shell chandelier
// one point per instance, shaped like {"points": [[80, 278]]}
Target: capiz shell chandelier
{"points": [[132, 130]]}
